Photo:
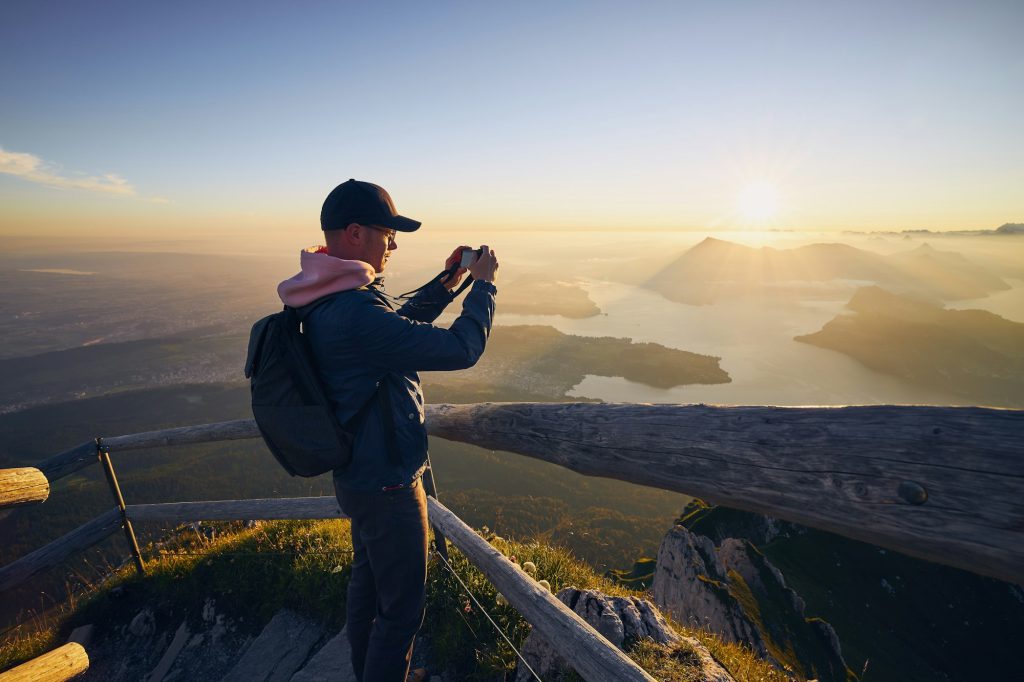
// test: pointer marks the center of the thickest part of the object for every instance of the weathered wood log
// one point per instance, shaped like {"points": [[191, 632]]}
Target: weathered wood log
{"points": [[24, 485], [81, 456], [62, 663], [69, 461], [589, 653], [84, 536], [238, 510], [238, 429], [944, 484]]}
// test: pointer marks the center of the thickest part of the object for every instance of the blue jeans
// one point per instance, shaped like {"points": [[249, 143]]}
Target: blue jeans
{"points": [[387, 589]]}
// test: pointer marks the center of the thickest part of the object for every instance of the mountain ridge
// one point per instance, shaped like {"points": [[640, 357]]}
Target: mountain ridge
{"points": [[716, 268]]}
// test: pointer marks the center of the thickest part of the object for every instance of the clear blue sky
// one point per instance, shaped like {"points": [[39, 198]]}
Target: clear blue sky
{"points": [[222, 115]]}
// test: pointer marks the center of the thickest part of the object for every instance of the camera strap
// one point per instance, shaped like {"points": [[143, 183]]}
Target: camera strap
{"points": [[441, 277]]}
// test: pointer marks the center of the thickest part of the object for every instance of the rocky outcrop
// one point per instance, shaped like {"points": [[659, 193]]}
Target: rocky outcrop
{"points": [[623, 621], [734, 591], [691, 584], [720, 523]]}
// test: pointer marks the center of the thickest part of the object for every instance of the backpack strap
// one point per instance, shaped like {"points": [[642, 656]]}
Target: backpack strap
{"points": [[383, 395]]}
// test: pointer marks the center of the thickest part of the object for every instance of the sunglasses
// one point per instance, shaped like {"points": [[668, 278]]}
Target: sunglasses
{"points": [[391, 234]]}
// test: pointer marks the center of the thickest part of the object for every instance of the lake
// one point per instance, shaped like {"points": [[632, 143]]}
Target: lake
{"points": [[754, 338]]}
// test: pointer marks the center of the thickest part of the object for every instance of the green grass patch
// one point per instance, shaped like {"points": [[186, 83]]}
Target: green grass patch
{"points": [[252, 572]]}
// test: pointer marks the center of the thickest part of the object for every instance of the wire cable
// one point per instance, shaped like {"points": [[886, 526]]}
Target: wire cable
{"points": [[484, 611]]}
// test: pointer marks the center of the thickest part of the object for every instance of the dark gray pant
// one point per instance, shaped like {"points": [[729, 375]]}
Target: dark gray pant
{"points": [[387, 590]]}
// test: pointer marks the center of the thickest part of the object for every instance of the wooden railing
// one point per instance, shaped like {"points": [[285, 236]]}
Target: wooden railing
{"points": [[944, 484]]}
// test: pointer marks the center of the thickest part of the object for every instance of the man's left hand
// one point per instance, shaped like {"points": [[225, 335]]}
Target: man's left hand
{"points": [[455, 259]]}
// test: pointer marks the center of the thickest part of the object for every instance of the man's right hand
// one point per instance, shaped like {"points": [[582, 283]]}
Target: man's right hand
{"points": [[486, 266]]}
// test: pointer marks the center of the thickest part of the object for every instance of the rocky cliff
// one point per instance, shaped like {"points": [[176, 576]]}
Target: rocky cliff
{"points": [[897, 617], [734, 591]]}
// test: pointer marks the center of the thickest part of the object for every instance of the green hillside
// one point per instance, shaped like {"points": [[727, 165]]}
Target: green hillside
{"points": [[250, 573]]}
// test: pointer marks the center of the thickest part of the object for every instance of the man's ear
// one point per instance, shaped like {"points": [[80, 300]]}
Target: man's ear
{"points": [[354, 233]]}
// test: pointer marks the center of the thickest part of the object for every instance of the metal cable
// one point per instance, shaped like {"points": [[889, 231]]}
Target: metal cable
{"points": [[344, 551], [212, 556], [484, 611]]}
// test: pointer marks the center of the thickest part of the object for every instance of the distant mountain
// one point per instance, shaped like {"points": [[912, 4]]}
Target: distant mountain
{"points": [[974, 354], [951, 276], [714, 269], [1003, 230]]}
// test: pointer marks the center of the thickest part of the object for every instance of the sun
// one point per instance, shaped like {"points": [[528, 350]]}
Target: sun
{"points": [[758, 202]]}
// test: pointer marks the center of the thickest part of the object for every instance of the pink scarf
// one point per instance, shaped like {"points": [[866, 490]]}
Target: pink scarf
{"points": [[321, 275]]}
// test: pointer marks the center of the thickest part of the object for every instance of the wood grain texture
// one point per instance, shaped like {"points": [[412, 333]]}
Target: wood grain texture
{"points": [[24, 485], [63, 663], [589, 653], [238, 429], [81, 456], [50, 555], [238, 510], [840, 469], [69, 461]]}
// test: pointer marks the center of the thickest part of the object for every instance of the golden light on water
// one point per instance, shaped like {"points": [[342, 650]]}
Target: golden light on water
{"points": [[758, 202]]}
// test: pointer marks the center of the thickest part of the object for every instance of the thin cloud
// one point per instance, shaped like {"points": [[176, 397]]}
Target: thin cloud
{"points": [[30, 167]]}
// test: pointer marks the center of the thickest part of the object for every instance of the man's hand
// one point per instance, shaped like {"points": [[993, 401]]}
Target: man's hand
{"points": [[485, 268], [455, 259]]}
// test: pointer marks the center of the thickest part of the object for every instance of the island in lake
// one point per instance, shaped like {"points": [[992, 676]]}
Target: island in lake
{"points": [[973, 354], [530, 362]]}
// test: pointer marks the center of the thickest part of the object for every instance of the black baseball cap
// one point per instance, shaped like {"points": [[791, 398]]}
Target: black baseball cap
{"points": [[365, 203]]}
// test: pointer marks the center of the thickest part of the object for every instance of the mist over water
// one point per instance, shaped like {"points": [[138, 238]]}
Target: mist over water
{"points": [[750, 325], [754, 338], [753, 331], [1008, 304]]}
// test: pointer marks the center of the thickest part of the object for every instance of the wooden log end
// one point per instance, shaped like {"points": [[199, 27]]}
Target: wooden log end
{"points": [[63, 663], [24, 485]]}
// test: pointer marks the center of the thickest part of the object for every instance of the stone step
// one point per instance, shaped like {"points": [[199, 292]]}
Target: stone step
{"points": [[279, 651], [333, 662], [167, 660]]}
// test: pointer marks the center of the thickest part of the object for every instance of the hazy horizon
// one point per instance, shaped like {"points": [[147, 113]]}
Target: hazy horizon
{"points": [[161, 121]]}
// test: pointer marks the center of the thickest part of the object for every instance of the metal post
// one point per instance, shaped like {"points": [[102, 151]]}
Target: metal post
{"points": [[440, 543], [103, 453]]}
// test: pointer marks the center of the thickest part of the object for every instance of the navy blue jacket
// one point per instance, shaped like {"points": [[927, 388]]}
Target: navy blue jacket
{"points": [[358, 339]]}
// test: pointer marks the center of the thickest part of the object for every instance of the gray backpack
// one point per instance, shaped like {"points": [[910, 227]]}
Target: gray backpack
{"points": [[289, 403]]}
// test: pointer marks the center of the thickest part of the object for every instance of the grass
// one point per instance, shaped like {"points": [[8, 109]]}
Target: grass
{"points": [[254, 571], [741, 662], [251, 572]]}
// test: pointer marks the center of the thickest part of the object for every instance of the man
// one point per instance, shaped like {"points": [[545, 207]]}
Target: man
{"points": [[368, 353]]}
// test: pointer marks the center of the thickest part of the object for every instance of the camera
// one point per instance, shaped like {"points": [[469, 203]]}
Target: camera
{"points": [[469, 256]]}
